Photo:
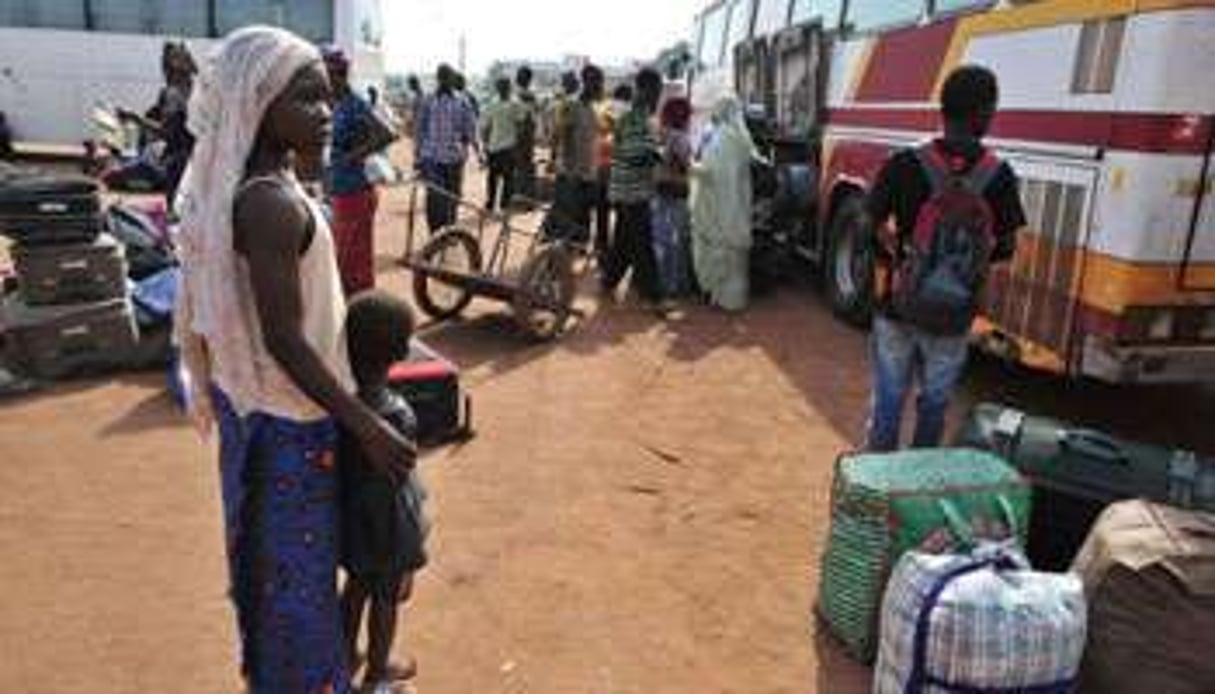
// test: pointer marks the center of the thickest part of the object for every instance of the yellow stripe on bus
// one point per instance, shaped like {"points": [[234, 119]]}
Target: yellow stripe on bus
{"points": [[860, 69], [1113, 284]]}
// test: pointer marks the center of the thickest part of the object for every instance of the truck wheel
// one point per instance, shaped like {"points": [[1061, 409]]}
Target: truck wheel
{"points": [[848, 271]]}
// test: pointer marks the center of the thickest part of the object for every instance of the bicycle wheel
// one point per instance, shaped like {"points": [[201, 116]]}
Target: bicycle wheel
{"points": [[545, 296], [453, 251]]}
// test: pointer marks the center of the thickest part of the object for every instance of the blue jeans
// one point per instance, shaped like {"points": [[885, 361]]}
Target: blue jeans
{"points": [[899, 354], [671, 222]]}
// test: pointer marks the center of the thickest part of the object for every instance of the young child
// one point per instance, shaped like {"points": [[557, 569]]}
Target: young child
{"points": [[383, 525]]}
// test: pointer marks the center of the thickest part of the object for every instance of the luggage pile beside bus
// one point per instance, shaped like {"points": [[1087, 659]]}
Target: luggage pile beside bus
{"points": [[1035, 556]]}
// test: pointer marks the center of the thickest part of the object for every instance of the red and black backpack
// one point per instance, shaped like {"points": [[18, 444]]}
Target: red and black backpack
{"points": [[940, 273]]}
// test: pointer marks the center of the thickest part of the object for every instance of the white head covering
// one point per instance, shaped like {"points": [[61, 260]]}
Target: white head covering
{"points": [[230, 97], [728, 117]]}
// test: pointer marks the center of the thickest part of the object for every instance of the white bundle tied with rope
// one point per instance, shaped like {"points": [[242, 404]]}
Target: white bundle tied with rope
{"points": [[214, 323]]}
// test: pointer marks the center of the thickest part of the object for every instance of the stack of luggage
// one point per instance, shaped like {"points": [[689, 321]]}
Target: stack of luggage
{"points": [[884, 506], [72, 311], [1076, 473], [926, 564]]}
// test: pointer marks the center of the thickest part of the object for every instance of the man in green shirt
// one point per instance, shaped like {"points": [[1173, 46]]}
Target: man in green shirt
{"points": [[635, 153], [500, 125]]}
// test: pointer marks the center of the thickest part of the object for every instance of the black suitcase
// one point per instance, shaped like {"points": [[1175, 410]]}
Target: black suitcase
{"points": [[46, 209], [71, 273], [58, 341], [431, 385], [1077, 472]]}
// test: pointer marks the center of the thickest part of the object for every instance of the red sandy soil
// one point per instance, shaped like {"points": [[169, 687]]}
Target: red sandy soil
{"points": [[642, 510]]}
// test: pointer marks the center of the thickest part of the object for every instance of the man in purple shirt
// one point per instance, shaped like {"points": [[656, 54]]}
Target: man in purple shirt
{"points": [[445, 129]]}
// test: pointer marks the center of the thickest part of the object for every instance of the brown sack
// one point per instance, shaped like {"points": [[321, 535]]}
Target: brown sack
{"points": [[1149, 573]]}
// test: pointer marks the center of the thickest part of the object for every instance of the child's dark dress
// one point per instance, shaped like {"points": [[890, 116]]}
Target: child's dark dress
{"points": [[384, 526]]}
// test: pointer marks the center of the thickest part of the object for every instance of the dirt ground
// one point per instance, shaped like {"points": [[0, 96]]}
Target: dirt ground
{"points": [[642, 509]]}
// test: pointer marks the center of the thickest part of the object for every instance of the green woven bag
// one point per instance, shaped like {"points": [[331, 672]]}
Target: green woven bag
{"points": [[884, 505]]}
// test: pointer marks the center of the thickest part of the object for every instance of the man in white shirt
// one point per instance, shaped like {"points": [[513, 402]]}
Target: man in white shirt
{"points": [[500, 126]]}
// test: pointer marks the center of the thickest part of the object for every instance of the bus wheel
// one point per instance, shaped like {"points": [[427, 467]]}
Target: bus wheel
{"points": [[848, 271]]}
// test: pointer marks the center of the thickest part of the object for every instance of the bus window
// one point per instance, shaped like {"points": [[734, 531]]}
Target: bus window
{"points": [[177, 17], [312, 19], [867, 15], [771, 17], [712, 37], [1097, 56], [740, 25], [828, 11], [50, 14], [952, 6]]}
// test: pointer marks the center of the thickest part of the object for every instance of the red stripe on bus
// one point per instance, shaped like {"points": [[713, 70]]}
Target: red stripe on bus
{"points": [[856, 161], [1165, 133], [905, 64]]}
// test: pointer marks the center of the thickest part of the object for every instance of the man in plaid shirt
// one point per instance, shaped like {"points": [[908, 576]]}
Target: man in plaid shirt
{"points": [[446, 127]]}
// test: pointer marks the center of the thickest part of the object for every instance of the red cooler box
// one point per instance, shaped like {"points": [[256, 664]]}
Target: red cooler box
{"points": [[430, 383]]}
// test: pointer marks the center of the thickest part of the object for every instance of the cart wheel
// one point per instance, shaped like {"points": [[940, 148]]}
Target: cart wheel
{"points": [[454, 251], [545, 296]]}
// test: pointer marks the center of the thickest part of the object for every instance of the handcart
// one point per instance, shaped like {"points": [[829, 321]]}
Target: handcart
{"points": [[484, 254]]}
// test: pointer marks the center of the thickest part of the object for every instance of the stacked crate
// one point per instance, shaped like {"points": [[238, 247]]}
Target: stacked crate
{"points": [[72, 310]]}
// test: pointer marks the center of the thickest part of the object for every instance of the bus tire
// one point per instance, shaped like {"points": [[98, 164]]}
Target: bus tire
{"points": [[848, 270]]}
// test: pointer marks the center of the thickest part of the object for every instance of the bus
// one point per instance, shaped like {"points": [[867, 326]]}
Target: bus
{"points": [[60, 59], [1107, 115]]}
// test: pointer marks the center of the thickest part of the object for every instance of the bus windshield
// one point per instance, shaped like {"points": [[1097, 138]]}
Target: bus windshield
{"points": [[712, 37], [740, 25], [771, 17], [867, 15], [828, 11]]}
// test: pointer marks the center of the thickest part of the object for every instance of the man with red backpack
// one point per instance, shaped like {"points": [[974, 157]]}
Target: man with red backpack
{"points": [[956, 210]]}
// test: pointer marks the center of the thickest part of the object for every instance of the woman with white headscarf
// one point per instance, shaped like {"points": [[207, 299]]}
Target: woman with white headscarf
{"points": [[721, 208], [260, 326]]}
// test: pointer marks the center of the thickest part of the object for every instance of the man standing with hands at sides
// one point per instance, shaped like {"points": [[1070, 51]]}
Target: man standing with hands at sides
{"points": [[500, 131], [557, 114], [353, 196], [525, 156], [956, 210], [445, 130], [413, 100], [579, 137], [631, 188]]}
